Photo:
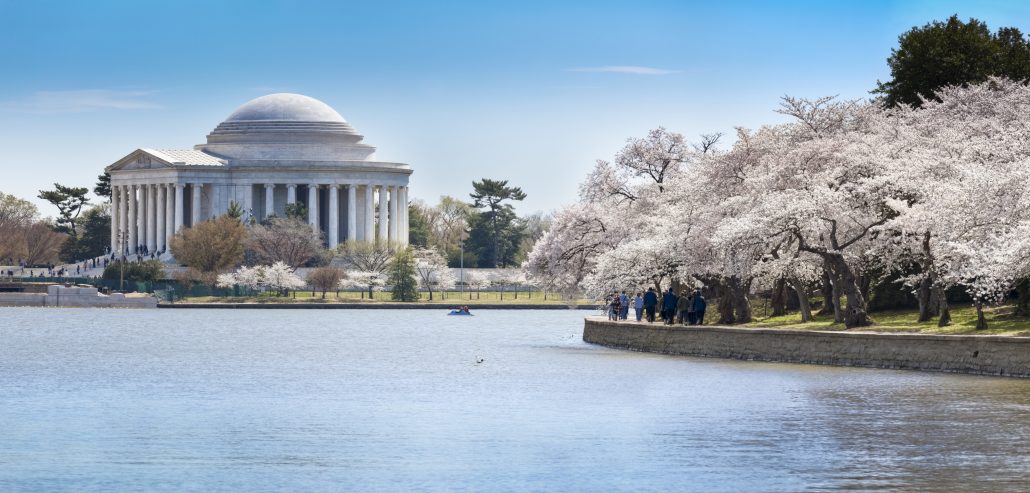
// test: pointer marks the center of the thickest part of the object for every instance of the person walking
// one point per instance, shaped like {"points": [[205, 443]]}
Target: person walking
{"points": [[650, 302], [623, 306], [683, 307], [616, 308], [669, 307], [638, 305], [699, 304]]}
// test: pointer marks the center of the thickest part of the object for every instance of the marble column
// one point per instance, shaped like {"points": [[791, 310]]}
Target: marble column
{"points": [[248, 201], [393, 215], [179, 208], [291, 193], [162, 208], [384, 216], [133, 223], [352, 213], [269, 199], [169, 213], [116, 221], [313, 206], [402, 225], [370, 212], [141, 217], [123, 230], [334, 215], [197, 192], [151, 219]]}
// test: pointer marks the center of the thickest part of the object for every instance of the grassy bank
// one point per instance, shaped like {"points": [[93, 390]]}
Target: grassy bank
{"points": [[1000, 321]]}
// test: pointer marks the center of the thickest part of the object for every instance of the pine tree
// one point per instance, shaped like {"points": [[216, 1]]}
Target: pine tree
{"points": [[402, 277]]}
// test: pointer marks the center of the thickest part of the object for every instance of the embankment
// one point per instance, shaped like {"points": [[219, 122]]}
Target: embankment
{"points": [[980, 355]]}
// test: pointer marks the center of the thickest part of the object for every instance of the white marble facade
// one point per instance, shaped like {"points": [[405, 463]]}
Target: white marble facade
{"points": [[273, 151]]}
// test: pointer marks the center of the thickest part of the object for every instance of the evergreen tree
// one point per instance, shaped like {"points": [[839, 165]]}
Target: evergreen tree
{"points": [[103, 186], [951, 53], [418, 227], [404, 286], [501, 218], [95, 226], [69, 201]]}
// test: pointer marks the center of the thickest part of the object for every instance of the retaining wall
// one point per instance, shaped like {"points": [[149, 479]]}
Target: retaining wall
{"points": [[76, 297], [981, 355]]}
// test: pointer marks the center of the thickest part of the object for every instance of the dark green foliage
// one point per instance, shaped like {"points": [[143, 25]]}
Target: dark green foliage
{"points": [[103, 186], [235, 210], [147, 271], [949, 53], [486, 238], [69, 202], [401, 276], [95, 226], [495, 233], [454, 258], [297, 210], [418, 227]]}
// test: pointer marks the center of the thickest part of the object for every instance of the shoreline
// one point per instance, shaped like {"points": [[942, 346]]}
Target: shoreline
{"points": [[990, 355], [378, 305]]}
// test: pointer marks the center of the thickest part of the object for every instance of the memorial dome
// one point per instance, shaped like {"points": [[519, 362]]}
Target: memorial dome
{"points": [[286, 127], [285, 107]]}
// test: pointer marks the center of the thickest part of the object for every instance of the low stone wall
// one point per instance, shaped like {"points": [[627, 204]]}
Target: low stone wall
{"points": [[981, 355], [76, 297]]}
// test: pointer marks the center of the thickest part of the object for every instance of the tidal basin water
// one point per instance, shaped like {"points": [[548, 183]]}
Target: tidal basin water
{"points": [[393, 400]]}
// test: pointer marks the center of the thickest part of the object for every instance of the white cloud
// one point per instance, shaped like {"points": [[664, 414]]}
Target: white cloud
{"points": [[82, 100], [626, 69]]}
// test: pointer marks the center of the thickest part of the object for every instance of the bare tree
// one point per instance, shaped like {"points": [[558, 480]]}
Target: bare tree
{"points": [[366, 256], [16, 215], [42, 243], [285, 239], [325, 278]]}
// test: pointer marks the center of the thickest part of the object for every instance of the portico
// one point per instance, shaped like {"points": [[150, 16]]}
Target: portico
{"points": [[274, 151]]}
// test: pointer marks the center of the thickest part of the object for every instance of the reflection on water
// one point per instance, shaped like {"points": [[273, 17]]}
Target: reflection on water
{"points": [[263, 400]]}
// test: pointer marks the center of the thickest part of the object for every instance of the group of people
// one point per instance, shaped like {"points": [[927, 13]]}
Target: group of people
{"points": [[686, 308]]}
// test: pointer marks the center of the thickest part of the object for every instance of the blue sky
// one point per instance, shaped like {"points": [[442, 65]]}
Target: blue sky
{"points": [[532, 92]]}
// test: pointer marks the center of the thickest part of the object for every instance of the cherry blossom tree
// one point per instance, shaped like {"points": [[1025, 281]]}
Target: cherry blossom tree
{"points": [[432, 271]]}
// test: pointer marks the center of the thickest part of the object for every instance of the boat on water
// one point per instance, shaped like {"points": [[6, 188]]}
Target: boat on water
{"points": [[461, 311]]}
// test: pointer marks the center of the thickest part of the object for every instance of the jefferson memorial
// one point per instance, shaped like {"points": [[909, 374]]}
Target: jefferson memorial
{"points": [[275, 150]]}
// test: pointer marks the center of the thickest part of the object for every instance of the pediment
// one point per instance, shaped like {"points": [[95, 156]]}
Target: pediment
{"points": [[139, 159]]}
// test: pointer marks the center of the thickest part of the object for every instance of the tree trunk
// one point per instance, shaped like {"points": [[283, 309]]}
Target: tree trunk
{"points": [[942, 307], [806, 309], [737, 292], [981, 322], [1023, 298], [928, 306], [779, 298], [855, 315], [725, 304], [838, 314], [827, 289]]}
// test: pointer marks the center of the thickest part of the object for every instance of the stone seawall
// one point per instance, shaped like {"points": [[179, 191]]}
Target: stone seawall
{"points": [[981, 355], [83, 297]]}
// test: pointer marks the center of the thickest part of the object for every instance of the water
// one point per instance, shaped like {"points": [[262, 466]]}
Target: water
{"points": [[342, 400]]}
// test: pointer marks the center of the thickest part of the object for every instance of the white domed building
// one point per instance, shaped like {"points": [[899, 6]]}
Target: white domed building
{"points": [[272, 151]]}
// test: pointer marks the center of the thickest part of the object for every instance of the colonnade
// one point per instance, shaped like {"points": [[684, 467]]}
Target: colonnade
{"points": [[145, 217]]}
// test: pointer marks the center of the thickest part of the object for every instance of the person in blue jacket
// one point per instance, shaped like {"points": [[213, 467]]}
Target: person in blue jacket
{"points": [[699, 306], [669, 307], [650, 302]]}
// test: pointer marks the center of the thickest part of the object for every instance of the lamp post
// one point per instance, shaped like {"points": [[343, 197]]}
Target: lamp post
{"points": [[461, 270]]}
